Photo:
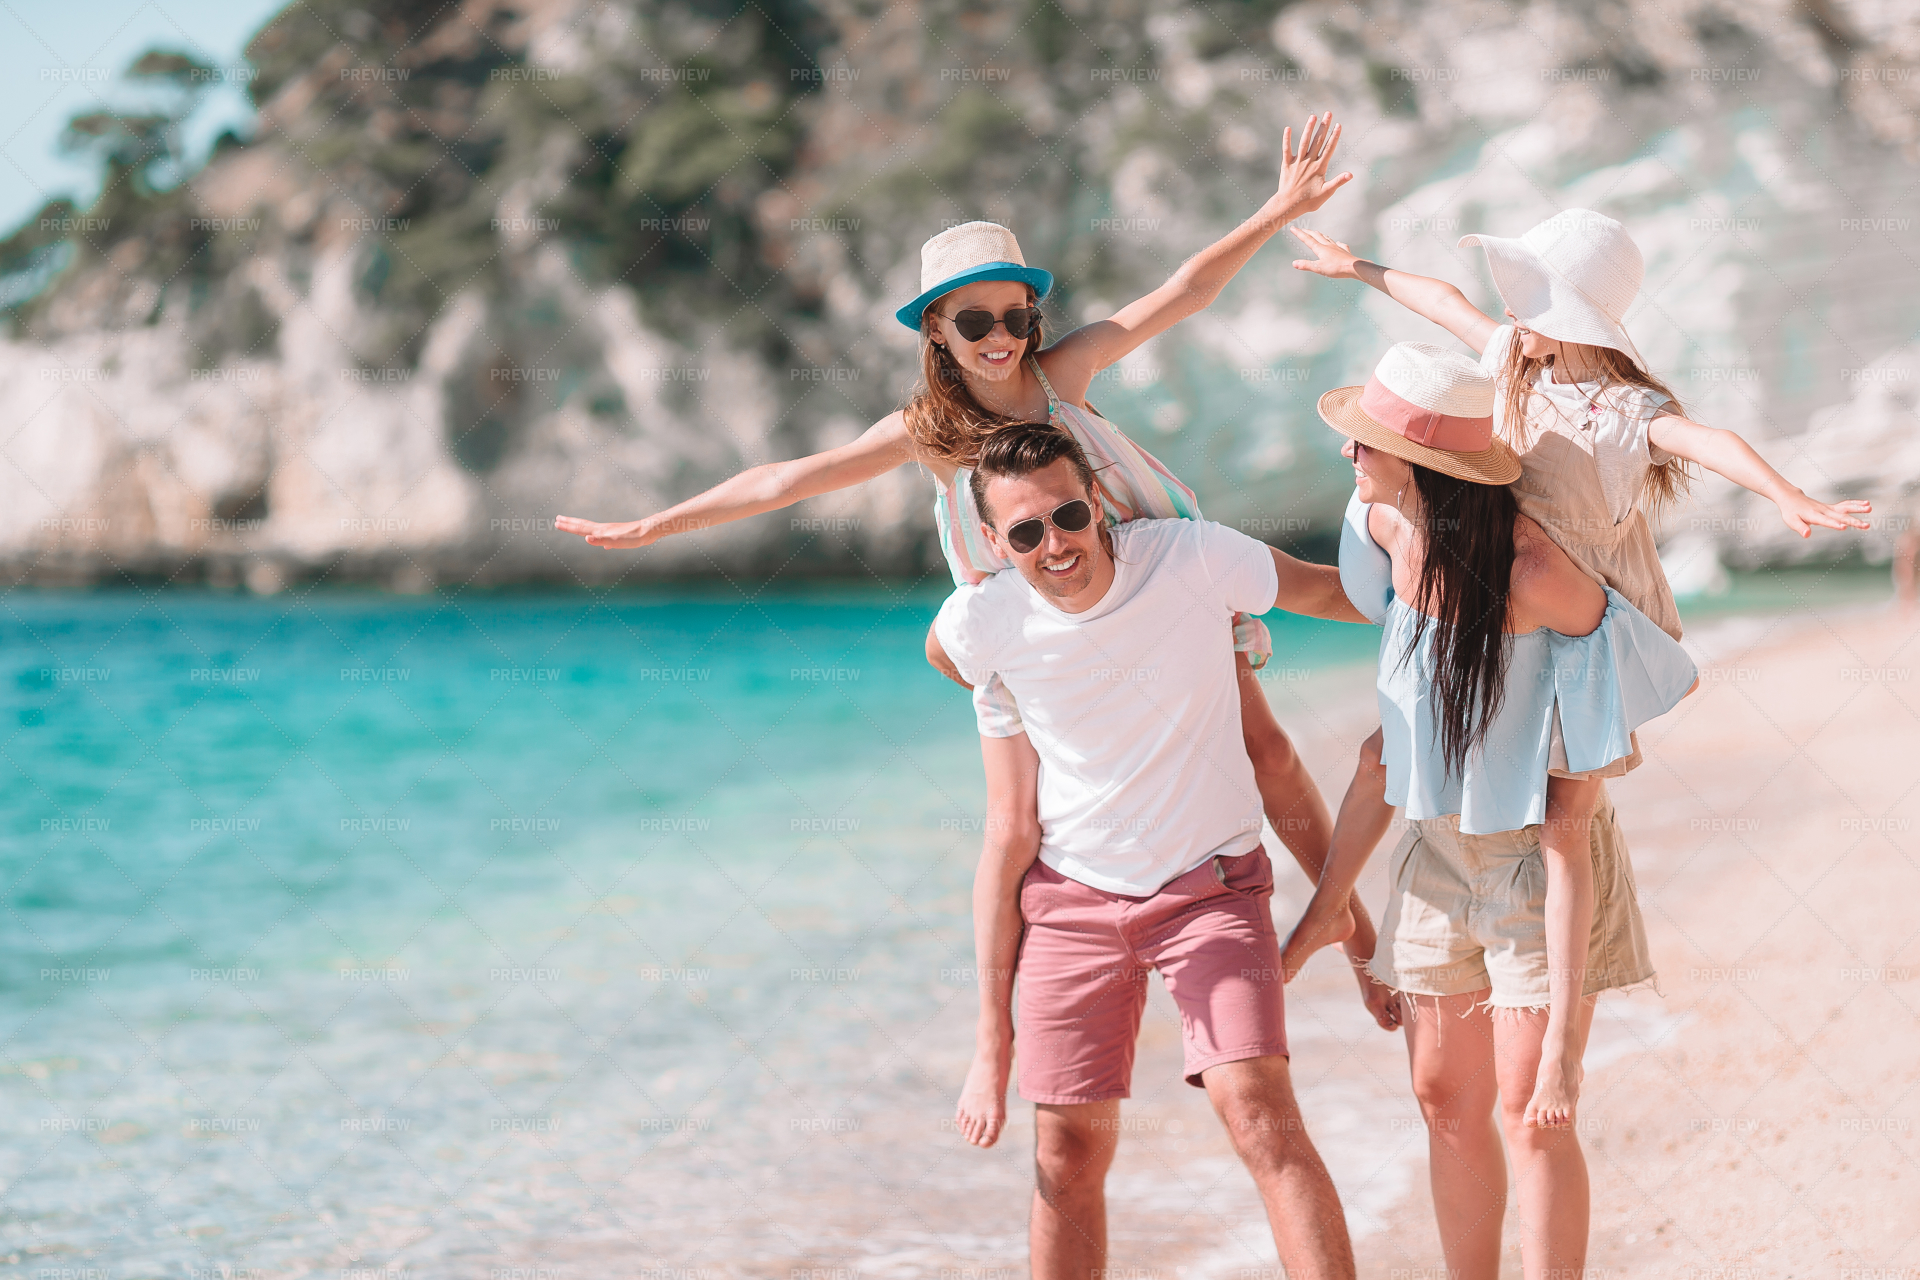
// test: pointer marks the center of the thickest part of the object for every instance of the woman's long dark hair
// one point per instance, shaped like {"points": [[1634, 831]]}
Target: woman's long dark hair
{"points": [[1466, 540]]}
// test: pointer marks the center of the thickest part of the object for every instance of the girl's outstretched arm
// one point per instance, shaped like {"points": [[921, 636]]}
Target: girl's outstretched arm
{"points": [[1725, 453], [1303, 187], [1436, 300], [1011, 844], [767, 487], [1567, 850]]}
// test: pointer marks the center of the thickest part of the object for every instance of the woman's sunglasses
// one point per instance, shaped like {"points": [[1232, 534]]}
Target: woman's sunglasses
{"points": [[975, 325], [1069, 517]]}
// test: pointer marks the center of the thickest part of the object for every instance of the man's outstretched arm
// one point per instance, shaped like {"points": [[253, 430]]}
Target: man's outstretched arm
{"points": [[1312, 589]]}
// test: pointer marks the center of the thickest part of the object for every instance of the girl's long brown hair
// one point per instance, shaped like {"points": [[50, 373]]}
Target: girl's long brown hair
{"points": [[1667, 482], [943, 418]]}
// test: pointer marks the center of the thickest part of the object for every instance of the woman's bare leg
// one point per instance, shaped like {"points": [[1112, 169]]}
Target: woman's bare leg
{"points": [[1452, 1050]]}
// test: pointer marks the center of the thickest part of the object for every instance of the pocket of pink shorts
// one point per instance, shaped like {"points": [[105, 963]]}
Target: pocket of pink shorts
{"points": [[1037, 887], [1250, 875]]}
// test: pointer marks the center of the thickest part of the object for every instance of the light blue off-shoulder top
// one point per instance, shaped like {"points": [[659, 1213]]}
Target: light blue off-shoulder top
{"points": [[1604, 685]]}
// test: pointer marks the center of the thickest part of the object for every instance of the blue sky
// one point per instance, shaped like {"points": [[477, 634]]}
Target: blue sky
{"points": [[63, 57]]}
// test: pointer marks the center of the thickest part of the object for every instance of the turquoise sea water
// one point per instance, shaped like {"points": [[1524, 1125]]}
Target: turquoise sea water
{"points": [[361, 935], [367, 931]]}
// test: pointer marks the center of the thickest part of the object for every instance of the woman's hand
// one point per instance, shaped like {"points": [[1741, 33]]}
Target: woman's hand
{"points": [[1304, 185], [1382, 1001], [1331, 258], [618, 537], [1802, 513]]}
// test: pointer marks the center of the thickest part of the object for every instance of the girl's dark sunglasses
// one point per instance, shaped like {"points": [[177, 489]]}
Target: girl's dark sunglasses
{"points": [[975, 325], [1069, 517]]}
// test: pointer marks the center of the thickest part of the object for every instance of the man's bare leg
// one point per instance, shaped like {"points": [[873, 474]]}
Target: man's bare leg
{"points": [[1073, 1149], [1254, 1099]]}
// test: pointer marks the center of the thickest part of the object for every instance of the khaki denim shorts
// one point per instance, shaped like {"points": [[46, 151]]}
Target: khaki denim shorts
{"points": [[1469, 912]]}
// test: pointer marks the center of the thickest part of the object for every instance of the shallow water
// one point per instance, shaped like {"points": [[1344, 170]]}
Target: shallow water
{"points": [[352, 931], [383, 936]]}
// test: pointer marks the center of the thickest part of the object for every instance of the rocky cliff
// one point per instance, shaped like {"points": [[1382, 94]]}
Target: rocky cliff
{"points": [[484, 263]]}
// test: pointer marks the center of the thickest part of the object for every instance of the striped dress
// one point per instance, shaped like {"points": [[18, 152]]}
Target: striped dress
{"points": [[1134, 485]]}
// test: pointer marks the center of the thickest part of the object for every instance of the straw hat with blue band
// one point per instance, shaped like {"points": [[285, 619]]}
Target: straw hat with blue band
{"points": [[967, 253]]}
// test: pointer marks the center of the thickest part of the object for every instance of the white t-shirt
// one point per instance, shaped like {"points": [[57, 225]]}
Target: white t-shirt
{"points": [[1614, 418], [1132, 706]]}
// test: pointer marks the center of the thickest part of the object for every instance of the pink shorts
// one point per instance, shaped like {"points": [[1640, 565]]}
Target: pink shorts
{"points": [[1084, 959]]}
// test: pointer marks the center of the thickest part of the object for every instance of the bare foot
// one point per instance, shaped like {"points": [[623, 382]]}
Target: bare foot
{"points": [[1314, 931], [1556, 1091], [982, 1110]]}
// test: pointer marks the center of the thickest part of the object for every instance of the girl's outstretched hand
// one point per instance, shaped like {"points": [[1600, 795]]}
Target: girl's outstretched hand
{"points": [[1331, 258], [1802, 513], [617, 536], [1304, 185]]}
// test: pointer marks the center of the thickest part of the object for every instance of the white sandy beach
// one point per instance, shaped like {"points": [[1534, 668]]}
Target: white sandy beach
{"points": [[1759, 1117], [1755, 1118]]}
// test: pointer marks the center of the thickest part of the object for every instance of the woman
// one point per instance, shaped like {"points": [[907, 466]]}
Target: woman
{"points": [[1504, 667]]}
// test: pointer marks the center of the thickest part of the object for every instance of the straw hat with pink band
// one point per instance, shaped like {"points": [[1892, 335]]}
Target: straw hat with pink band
{"points": [[1429, 406]]}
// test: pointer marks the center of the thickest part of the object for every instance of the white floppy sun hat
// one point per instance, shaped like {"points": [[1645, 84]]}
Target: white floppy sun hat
{"points": [[966, 253], [1430, 406], [1571, 278]]}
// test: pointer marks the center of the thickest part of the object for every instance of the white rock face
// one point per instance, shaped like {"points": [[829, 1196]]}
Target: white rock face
{"points": [[1761, 169]]}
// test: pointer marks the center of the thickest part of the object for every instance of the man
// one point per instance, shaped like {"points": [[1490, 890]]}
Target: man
{"points": [[1114, 645]]}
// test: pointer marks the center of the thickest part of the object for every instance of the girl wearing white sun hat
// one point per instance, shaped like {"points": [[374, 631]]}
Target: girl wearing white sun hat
{"points": [[1601, 440], [983, 367]]}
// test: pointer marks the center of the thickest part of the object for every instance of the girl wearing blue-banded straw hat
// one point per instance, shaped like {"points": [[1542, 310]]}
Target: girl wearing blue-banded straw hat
{"points": [[983, 368]]}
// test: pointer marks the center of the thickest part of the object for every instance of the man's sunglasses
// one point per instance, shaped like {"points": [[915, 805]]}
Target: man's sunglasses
{"points": [[1069, 517], [975, 325]]}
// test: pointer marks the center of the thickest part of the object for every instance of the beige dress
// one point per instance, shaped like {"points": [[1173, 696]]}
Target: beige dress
{"points": [[1582, 474]]}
